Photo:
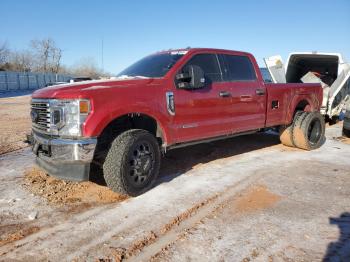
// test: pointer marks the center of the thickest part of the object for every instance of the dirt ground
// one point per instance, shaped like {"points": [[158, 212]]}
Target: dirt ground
{"points": [[60, 192], [243, 199], [14, 123]]}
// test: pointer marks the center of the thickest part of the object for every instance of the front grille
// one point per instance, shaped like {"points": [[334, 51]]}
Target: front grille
{"points": [[41, 115]]}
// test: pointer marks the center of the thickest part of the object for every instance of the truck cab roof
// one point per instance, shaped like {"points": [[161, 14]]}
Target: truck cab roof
{"points": [[204, 50]]}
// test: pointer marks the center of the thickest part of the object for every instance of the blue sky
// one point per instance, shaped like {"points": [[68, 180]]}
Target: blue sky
{"points": [[132, 29]]}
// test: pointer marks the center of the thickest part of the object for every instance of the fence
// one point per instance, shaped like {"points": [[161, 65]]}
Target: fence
{"points": [[13, 81]]}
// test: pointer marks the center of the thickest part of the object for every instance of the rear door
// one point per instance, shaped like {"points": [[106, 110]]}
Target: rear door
{"points": [[276, 68], [248, 94], [206, 112]]}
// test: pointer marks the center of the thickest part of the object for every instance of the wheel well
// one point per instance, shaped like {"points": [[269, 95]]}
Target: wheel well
{"points": [[122, 124], [303, 105], [133, 121]]}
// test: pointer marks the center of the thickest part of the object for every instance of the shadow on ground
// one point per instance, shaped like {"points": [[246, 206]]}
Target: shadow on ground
{"points": [[179, 161], [340, 250]]}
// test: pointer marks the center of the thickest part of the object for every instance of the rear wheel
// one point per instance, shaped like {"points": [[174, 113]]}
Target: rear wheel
{"points": [[286, 132], [132, 163], [309, 131]]}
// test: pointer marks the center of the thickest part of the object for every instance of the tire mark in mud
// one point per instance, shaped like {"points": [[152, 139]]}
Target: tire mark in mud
{"points": [[170, 232], [12, 148], [120, 254], [18, 234], [247, 198]]}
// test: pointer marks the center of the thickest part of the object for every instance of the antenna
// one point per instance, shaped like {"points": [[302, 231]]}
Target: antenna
{"points": [[102, 64]]}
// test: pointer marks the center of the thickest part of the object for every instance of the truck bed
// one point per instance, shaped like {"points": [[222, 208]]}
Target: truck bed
{"points": [[282, 98]]}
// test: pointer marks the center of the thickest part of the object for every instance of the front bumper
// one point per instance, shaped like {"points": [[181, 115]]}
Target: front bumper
{"points": [[64, 158]]}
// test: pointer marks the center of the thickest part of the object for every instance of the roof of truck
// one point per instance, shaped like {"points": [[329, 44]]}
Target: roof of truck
{"points": [[201, 49]]}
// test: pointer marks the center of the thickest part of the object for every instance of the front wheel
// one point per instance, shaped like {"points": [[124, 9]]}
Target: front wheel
{"points": [[132, 164]]}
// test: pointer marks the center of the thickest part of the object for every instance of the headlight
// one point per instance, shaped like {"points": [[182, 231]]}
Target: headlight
{"points": [[68, 116]]}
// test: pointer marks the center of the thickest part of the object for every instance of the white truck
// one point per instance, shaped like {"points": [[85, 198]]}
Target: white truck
{"points": [[329, 69], [346, 124]]}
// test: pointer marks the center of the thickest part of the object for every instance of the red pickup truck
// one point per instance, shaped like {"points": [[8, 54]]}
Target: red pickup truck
{"points": [[166, 100]]}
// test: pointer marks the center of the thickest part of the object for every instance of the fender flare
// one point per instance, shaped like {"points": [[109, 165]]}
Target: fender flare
{"points": [[103, 124], [311, 104]]}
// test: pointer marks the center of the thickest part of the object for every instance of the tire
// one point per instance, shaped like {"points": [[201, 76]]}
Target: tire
{"points": [[286, 132], [132, 163], [309, 131], [346, 132]]}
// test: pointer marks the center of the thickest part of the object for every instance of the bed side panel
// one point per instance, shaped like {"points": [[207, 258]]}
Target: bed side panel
{"points": [[278, 98], [283, 99]]}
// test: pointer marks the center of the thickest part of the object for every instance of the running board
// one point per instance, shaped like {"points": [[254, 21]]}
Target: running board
{"points": [[179, 145]]}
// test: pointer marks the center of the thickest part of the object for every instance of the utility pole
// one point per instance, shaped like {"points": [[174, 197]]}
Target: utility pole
{"points": [[102, 64]]}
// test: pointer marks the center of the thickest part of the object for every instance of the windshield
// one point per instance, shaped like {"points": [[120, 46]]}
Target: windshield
{"points": [[152, 66]]}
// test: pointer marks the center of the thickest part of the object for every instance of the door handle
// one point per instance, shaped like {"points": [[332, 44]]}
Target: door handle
{"points": [[246, 98], [224, 94], [260, 92]]}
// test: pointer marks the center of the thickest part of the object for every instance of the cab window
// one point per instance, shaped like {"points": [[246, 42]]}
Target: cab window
{"points": [[210, 66], [237, 68]]}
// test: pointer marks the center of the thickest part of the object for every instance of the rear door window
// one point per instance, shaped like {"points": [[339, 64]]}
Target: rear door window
{"points": [[237, 68], [210, 66]]}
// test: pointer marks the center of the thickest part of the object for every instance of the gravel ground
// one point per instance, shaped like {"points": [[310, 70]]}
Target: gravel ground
{"points": [[295, 214], [243, 199], [14, 123]]}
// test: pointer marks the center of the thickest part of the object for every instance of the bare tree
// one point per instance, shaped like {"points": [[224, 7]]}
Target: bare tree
{"points": [[41, 50], [45, 56], [56, 59], [64, 70], [4, 53], [21, 61], [87, 67], [48, 55]]}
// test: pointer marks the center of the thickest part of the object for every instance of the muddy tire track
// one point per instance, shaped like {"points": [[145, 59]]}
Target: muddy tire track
{"points": [[18, 233], [154, 243]]}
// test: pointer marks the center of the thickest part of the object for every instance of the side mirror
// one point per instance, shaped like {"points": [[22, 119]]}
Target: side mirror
{"points": [[192, 78]]}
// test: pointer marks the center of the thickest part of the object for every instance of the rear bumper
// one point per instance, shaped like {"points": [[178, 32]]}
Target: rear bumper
{"points": [[64, 158]]}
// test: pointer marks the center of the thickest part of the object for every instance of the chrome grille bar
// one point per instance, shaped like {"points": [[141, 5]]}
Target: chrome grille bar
{"points": [[41, 109]]}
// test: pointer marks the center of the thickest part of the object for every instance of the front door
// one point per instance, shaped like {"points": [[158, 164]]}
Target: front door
{"points": [[206, 112]]}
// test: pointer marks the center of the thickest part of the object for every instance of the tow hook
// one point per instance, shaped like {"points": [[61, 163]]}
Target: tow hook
{"points": [[30, 139]]}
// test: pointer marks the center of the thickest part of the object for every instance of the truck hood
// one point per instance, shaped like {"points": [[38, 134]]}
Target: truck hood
{"points": [[78, 90]]}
